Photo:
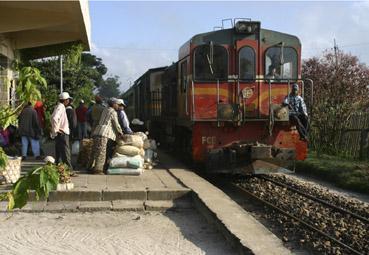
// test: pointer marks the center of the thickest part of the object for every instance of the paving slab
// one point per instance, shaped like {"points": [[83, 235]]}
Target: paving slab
{"points": [[128, 205], [164, 205], [65, 206], [124, 194], [89, 206], [159, 205], [166, 193], [75, 195], [34, 206]]}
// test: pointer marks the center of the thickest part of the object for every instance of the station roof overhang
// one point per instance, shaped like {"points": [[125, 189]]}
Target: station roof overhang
{"points": [[44, 28]]}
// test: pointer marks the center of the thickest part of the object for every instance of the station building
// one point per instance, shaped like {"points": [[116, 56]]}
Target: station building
{"points": [[38, 29]]}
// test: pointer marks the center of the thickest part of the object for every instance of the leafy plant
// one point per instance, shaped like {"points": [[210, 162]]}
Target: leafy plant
{"points": [[30, 79], [27, 91], [41, 180], [3, 158]]}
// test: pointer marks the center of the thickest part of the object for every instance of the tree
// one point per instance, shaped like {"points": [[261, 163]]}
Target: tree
{"points": [[110, 87], [340, 90], [82, 73]]}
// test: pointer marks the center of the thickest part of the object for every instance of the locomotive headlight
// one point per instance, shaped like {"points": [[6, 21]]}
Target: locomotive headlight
{"points": [[247, 27]]}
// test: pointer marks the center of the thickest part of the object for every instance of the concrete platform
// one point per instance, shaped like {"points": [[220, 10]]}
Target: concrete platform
{"points": [[169, 186], [156, 184]]}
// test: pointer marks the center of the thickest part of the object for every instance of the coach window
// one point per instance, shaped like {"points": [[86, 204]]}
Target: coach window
{"points": [[246, 58], [210, 63], [280, 67]]}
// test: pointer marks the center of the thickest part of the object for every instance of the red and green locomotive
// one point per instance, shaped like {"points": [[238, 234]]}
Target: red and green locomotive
{"points": [[220, 103]]}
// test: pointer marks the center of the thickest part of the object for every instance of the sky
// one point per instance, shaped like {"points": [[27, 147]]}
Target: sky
{"points": [[132, 37]]}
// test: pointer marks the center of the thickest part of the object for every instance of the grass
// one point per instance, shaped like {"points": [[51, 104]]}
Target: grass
{"points": [[348, 174]]}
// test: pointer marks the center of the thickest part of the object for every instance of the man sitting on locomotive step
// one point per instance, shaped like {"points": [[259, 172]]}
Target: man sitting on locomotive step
{"points": [[297, 111]]}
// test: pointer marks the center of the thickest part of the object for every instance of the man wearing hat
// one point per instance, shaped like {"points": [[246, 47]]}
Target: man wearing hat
{"points": [[106, 132], [297, 111], [122, 117], [96, 112], [60, 130]]}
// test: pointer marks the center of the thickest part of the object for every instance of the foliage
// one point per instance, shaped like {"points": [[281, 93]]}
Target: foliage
{"points": [[110, 87], [82, 73], [348, 174], [340, 89], [27, 91], [30, 80], [8, 115], [41, 180], [3, 158]]}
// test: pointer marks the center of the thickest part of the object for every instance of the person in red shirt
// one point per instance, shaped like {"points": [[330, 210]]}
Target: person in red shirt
{"points": [[40, 110], [81, 113], [39, 107]]}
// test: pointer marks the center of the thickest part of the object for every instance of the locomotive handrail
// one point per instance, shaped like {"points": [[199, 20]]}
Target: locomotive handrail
{"points": [[193, 100], [217, 102], [186, 101], [271, 114], [312, 94]]}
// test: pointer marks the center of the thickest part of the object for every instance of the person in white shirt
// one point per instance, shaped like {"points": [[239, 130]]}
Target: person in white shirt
{"points": [[60, 130]]}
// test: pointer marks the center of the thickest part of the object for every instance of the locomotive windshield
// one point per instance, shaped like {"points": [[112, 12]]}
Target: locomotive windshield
{"points": [[210, 63], [280, 66], [246, 63]]}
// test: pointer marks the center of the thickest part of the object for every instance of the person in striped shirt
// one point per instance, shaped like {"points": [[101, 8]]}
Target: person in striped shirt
{"points": [[107, 130]]}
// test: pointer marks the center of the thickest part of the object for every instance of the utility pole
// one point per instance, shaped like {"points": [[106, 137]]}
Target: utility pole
{"points": [[335, 47], [61, 73]]}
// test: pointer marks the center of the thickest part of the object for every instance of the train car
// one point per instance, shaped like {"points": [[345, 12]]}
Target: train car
{"points": [[220, 103]]}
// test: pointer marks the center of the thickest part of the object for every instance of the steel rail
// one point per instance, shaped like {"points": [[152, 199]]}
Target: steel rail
{"points": [[339, 209], [297, 219]]}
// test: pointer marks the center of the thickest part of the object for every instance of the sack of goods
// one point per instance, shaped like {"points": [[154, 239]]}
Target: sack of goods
{"points": [[134, 140], [128, 150], [125, 171], [122, 161], [75, 148], [133, 153], [84, 152]]}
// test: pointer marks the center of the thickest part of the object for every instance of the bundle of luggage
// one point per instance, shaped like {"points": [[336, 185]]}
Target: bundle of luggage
{"points": [[85, 152], [133, 154]]}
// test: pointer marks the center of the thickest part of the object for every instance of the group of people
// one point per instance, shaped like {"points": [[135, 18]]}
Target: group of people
{"points": [[107, 124]]}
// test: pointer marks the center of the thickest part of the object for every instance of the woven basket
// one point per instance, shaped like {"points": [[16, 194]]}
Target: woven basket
{"points": [[12, 171]]}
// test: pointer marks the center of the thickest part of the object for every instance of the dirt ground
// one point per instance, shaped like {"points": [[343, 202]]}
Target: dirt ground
{"points": [[177, 232]]}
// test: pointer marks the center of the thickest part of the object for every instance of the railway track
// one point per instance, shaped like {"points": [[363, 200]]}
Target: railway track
{"points": [[328, 228], [319, 200]]}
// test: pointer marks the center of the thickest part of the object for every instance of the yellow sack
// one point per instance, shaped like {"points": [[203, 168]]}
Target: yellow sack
{"points": [[128, 150], [134, 140]]}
